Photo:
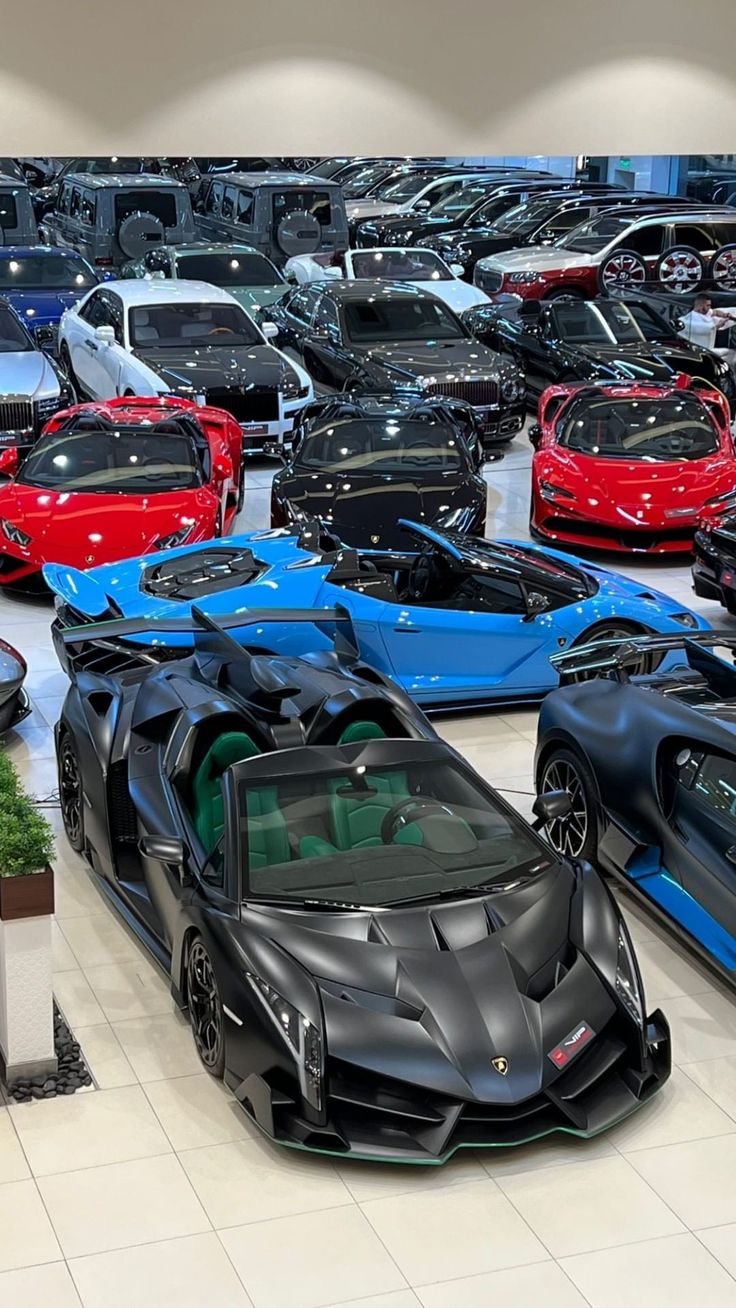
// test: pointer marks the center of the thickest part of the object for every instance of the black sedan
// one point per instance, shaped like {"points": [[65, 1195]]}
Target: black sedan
{"points": [[595, 340], [14, 702], [714, 565], [377, 953], [390, 336], [361, 464]]}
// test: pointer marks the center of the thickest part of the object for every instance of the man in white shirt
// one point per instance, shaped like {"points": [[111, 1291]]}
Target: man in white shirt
{"points": [[701, 325]]}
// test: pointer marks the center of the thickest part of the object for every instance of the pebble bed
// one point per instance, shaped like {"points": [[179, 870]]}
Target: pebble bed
{"points": [[73, 1073]]}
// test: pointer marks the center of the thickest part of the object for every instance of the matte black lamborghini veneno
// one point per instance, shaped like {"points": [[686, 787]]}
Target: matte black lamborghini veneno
{"points": [[379, 956]]}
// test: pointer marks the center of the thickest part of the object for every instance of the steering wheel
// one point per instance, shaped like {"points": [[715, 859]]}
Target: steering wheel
{"points": [[219, 331], [421, 575], [408, 810]]}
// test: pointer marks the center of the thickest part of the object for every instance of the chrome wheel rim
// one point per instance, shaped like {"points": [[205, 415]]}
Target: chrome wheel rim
{"points": [[205, 1013], [567, 834], [639, 666], [70, 791], [623, 270], [680, 272], [723, 270]]}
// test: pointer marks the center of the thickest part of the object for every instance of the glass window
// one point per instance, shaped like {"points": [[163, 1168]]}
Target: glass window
{"points": [[97, 462], [114, 308], [646, 241], [244, 211], [58, 271], [65, 195], [228, 268], [8, 211], [301, 304], [13, 335], [380, 834], [88, 210], [75, 202], [462, 198], [565, 221], [400, 265], [162, 204], [483, 594], [715, 784], [672, 427], [325, 319], [171, 326], [303, 199], [596, 234], [608, 322], [404, 187], [213, 198], [382, 445], [96, 311], [229, 199], [400, 320]]}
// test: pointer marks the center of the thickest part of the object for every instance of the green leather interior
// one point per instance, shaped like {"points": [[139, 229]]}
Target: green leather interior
{"points": [[209, 811], [268, 839], [356, 823]]}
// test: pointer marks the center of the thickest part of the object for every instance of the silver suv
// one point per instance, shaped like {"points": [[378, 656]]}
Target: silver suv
{"points": [[279, 214], [17, 221], [110, 218]]}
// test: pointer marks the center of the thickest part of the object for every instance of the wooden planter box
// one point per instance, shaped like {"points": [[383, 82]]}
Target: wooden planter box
{"points": [[31, 896]]}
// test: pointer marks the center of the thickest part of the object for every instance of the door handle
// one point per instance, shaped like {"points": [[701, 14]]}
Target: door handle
{"points": [[408, 631], [91, 345], [731, 854]]}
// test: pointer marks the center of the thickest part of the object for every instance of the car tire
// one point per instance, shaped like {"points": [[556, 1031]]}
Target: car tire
{"points": [[66, 363], [616, 629], [241, 492], [722, 270], [206, 1016], [564, 293], [680, 270], [623, 270], [71, 798], [575, 836]]}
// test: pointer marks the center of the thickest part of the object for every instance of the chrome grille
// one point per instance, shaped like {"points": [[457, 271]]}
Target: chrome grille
{"points": [[16, 414], [481, 393], [487, 279]]}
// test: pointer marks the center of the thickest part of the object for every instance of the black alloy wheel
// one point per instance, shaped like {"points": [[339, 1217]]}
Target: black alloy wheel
{"points": [[621, 632], [205, 1009], [576, 834], [70, 792]]}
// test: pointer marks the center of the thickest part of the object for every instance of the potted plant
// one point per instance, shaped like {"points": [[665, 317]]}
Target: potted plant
{"points": [[26, 905]]}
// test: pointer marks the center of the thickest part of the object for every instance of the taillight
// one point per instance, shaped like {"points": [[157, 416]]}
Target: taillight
{"points": [[103, 263]]}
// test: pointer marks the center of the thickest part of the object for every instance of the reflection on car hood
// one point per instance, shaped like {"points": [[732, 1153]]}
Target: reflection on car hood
{"points": [[364, 508], [461, 357], [42, 307], [27, 373], [199, 367], [638, 489], [432, 995], [648, 361], [539, 259]]}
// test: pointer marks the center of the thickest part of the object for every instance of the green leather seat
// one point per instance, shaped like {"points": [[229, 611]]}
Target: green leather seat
{"points": [[268, 840], [356, 823]]}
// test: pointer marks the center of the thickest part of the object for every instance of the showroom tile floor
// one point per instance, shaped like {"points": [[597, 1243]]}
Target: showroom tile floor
{"points": [[155, 1190]]}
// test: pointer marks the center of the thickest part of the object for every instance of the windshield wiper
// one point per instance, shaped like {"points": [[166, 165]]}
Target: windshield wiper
{"points": [[469, 892], [323, 905]]}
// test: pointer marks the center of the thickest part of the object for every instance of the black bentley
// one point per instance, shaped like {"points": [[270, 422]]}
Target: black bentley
{"points": [[361, 463], [390, 336], [379, 956], [593, 340]]}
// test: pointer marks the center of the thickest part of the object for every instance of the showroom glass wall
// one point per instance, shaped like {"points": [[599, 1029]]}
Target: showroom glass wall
{"points": [[707, 177]]}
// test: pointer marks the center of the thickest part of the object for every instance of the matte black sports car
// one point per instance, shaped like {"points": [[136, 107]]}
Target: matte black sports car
{"points": [[714, 565], [649, 762], [14, 702], [361, 464], [386, 336], [379, 956], [594, 340]]}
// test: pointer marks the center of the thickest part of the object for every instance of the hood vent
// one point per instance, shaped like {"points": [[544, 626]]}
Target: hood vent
{"points": [[376, 935], [440, 940]]}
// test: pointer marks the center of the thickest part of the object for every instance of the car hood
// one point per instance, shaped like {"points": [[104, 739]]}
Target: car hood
{"points": [[540, 259], [204, 366], [364, 509], [458, 294], [647, 361], [253, 298], [42, 307], [636, 491], [370, 208], [83, 530], [432, 995], [27, 373], [462, 358]]}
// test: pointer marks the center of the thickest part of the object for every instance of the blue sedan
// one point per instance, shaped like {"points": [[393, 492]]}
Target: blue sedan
{"points": [[454, 620], [40, 282]]}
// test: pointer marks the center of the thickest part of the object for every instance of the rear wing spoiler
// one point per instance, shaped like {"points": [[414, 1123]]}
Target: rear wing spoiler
{"points": [[614, 658], [335, 622]]}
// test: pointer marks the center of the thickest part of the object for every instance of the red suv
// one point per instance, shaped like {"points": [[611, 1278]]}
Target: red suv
{"points": [[680, 251]]}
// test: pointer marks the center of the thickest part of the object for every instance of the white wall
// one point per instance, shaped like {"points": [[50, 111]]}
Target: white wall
{"points": [[475, 77]]}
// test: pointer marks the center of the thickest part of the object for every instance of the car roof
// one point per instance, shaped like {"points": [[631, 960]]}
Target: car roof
{"points": [[98, 181], [364, 288], [698, 213], [46, 252], [305, 180], [143, 290], [212, 247]]}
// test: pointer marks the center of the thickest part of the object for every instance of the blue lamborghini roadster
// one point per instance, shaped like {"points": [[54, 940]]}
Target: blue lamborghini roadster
{"points": [[453, 620]]}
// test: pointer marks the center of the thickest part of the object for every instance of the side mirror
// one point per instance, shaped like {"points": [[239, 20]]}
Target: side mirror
{"points": [[421, 206], [45, 338], [9, 460], [458, 269], [679, 324], [536, 603], [270, 330], [550, 807], [535, 434], [105, 334], [274, 450], [109, 276], [165, 849]]}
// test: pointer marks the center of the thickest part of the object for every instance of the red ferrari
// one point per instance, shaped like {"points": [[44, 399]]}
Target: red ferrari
{"points": [[110, 480], [631, 467]]}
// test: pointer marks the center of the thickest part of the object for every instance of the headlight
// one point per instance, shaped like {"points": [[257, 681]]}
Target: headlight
{"points": [[174, 538], [521, 278], [293, 389], [628, 985], [687, 619], [550, 491], [511, 388], [725, 501], [14, 533], [302, 1038]]}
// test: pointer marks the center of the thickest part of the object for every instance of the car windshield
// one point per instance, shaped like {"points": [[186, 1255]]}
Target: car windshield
{"points": [[460, 201], [594, 235], [228, 268], [528, 216], [374, 320], [667, 428], [401, 265], [128, 460], [13, 335], [361, 183], [58, 271], [380, 835], [388, 445], [403, 188], [171, 326], [107, 164], [608, 322]]}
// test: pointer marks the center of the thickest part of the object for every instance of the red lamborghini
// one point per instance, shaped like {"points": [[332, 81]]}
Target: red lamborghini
{"points": [[110, 480], [631, 467]]}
